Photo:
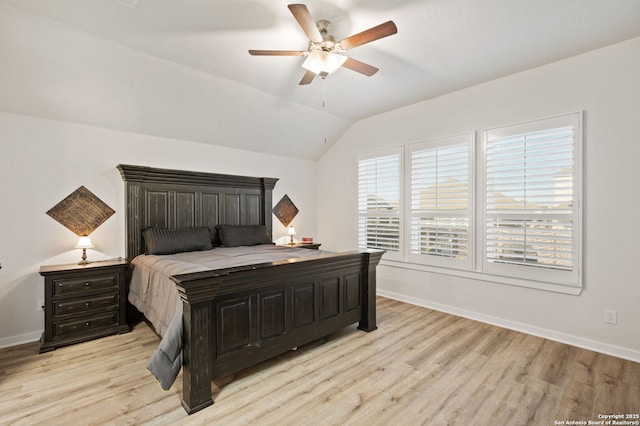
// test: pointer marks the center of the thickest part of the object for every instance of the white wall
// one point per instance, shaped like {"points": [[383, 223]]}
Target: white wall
{"points": [[42, 161], [605, 84]]}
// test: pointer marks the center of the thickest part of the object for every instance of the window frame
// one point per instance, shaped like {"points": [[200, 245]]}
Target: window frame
{"points": [[426, 259], [399, 151], [572, 278]]}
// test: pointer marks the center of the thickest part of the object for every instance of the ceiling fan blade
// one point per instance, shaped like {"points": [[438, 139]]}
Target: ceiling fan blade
{"points": [[307, 78], [306, 22], [360, 67], [276, 52], [367, 36]]}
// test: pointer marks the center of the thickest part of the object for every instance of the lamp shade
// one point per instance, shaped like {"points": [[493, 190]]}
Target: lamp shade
{"points": [[84, 242], [323, 63]]}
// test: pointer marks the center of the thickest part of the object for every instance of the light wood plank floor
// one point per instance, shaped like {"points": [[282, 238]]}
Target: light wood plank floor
{"points": [[419, 367]]}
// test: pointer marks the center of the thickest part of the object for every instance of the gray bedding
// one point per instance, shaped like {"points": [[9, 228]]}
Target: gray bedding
{"points": [[153, 293]]}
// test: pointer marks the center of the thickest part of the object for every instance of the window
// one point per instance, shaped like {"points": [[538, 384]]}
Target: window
{"points": [[441, 201], [379, 202], [531, 200], [506, 208]]}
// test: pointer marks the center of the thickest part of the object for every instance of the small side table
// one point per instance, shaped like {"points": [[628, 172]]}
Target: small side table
{"points": [[83, 302], [312, 246]]}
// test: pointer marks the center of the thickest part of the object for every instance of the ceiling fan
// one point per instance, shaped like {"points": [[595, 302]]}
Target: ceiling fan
{"points": [[324, 53]]}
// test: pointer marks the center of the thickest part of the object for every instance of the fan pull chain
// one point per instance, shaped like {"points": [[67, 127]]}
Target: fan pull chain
{"points": [[324, 108], [325, 121]]}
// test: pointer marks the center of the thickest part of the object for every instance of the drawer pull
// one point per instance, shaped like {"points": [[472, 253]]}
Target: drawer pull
{"points": [[87, 324], [87, 284], [87, 304]]}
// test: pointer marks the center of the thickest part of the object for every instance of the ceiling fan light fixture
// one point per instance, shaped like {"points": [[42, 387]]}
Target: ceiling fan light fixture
{"points": [[323, 63], [324, 54]]}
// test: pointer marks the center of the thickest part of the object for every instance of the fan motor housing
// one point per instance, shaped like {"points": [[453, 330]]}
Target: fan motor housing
{"points": [[329, 42]]}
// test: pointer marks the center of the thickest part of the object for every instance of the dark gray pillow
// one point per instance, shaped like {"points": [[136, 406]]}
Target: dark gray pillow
{"points": [[243, 235], [170, 241]]}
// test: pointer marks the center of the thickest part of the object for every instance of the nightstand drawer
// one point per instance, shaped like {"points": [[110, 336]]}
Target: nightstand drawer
{"points": [[87, 324], [64, 286], [86, 304]]}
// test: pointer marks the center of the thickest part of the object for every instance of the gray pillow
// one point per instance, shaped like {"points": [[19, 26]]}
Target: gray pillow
{"points": [[243, 235], [170, 241]]}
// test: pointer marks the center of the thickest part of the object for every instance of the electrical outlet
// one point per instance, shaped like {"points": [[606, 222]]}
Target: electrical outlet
{"points": [[610, 317], [40, 304]]}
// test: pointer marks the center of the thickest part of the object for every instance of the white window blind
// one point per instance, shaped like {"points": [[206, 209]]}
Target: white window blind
{"points": [[379, 198], [441, 201], [531, 201]]}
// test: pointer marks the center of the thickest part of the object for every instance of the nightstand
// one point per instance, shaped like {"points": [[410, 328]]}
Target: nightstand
{"points": [[312, 246], [83, 302]]}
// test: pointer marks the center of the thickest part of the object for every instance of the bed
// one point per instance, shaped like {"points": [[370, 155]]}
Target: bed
{"points": [[234, 317]]}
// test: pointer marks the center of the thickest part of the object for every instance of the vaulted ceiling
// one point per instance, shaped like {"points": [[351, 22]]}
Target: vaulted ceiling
{"points": [[255, 103]]}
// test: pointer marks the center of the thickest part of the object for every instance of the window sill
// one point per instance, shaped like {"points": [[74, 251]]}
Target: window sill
{"points": [[483, 276]]}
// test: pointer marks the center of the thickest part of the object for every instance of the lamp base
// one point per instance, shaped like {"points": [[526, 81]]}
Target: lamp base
{"points": [[84, 260]]}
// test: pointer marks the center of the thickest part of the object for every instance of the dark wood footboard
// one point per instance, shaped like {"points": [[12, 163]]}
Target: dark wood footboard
{"points": [[237, 317]]}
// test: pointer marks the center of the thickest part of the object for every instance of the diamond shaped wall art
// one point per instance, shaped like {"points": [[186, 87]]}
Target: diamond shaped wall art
{"points": [[81, 212], [285, 210]]}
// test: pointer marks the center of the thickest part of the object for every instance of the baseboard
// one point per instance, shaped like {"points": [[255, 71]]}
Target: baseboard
{"points": [[21, 339], [592, 345]]}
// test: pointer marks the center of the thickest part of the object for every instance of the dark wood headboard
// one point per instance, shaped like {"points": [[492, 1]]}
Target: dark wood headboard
{"points": [[166, 198]]}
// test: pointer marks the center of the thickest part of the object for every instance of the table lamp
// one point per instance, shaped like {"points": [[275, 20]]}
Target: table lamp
{"points": [[291, 231]]}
